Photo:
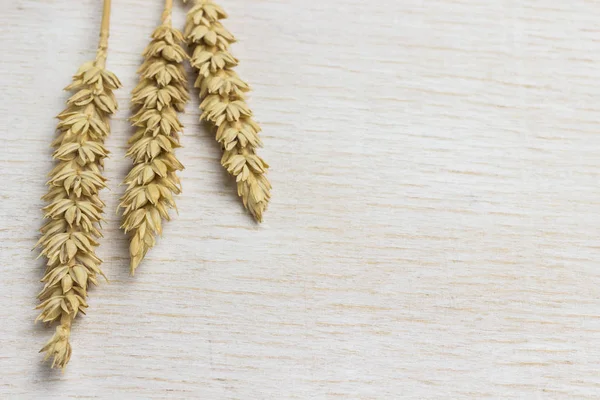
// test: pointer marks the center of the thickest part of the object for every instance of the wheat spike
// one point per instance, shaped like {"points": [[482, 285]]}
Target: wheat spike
{"points": [[74, 211], [222, 95], [152, 182]]}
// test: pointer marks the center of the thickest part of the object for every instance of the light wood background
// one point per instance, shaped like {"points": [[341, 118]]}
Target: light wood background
{"points": [[435, 224]]}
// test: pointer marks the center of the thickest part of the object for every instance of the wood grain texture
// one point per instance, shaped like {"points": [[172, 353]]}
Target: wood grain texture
{"points": [[435, 217]]}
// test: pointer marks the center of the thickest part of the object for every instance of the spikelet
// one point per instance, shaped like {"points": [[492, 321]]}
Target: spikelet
{"points": [[74, 211], [222, 95], [152, 182]]}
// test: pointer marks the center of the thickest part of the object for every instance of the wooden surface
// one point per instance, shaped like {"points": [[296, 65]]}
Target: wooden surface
{"points": [[434, 225]]}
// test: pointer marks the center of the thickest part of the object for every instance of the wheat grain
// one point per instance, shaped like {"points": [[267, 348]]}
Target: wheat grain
{"points": [[153, 181], [223, 103], [74, 211]]}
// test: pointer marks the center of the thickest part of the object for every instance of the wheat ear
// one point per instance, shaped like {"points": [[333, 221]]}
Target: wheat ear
{"points": [[153, 181], [74, 211], [224, 105]]}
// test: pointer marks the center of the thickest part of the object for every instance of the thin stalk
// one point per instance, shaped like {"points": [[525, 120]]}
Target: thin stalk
{"points": [[104, 34], [166, 15]]}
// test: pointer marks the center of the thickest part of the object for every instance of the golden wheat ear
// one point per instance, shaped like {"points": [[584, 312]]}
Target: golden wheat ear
{"points": [[223, 103], [152, 182], [74, 210]]}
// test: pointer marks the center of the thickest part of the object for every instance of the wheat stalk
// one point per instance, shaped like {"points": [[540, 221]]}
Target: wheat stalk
{"points": [[223, 103], [153, 181], [74, 211]]}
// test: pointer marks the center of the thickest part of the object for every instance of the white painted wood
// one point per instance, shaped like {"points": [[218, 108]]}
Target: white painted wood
{"points": [[434, 225]]}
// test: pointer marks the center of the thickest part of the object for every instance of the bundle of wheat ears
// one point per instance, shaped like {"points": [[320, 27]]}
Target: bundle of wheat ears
{"points": [[74, 212], [153, 181]]}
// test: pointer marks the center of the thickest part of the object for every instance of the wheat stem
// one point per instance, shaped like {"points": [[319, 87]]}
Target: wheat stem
{"points": [[223, 103], [152, 181], [166, 16], [104, 34], [74, 211]]}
